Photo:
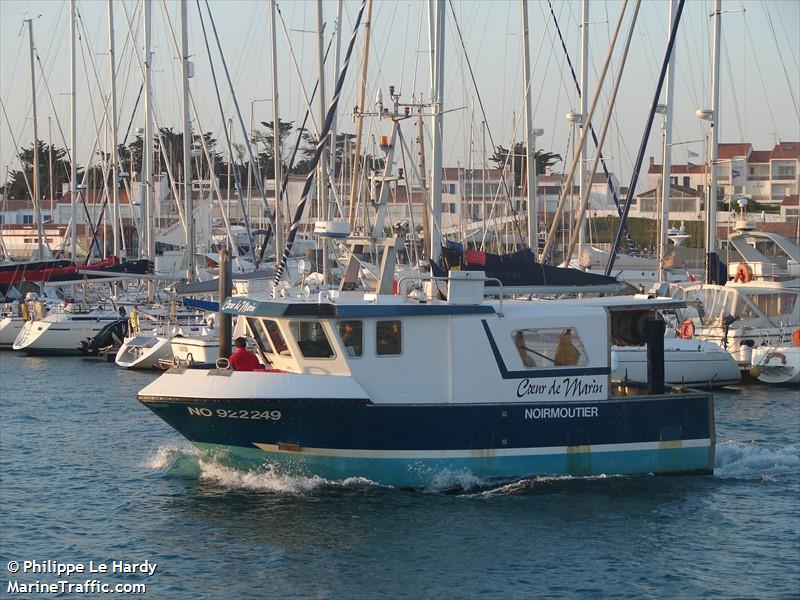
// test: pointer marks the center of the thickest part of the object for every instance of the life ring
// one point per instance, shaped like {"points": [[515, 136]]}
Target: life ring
{"points": [[743, 273], [687, 329], [796, 337]]}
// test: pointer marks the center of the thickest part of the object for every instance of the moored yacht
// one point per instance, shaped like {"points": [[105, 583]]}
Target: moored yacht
{"points": [[398, 390], [61, 331]]}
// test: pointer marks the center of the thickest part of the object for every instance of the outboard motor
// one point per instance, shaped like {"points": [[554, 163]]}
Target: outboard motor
{"points": [[110, 335]]}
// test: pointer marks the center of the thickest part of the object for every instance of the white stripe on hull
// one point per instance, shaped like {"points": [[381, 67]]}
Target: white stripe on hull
{"points": [[487, 452]]}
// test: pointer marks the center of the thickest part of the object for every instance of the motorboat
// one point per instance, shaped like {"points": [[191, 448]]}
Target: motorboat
{"points": [[778, 364], [400, 389], [690, 362]]}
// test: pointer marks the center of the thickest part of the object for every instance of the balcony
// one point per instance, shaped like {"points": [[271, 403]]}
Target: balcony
{"points": [[784, 176]]}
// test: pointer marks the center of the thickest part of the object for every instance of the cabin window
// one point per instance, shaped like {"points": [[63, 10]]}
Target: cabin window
{"points": [[259, 335], [276, 341], [389, 338], [311, 339], [352, 334], [544, 348], [773, 305]]}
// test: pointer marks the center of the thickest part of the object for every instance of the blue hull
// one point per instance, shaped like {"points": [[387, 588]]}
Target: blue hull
{"points": [[412, 445]]}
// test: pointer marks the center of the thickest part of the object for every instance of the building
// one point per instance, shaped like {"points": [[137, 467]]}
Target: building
{"points": [[765, 176]]}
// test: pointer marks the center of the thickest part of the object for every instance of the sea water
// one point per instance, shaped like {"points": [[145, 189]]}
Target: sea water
{"points": [[90, 477]]}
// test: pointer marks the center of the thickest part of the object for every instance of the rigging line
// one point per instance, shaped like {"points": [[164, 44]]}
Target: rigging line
{"points": [[760, 72], [606, 173], [323, 138], [643, 145], [789, 39], [483, 113], [228, 143], [55, 113], [733, 88], [171, 178], [259, 181], [780, 56], [14, 140], [297, 70]]}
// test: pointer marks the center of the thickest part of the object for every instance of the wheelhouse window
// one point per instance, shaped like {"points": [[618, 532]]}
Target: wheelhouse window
{"points": [[389, 338], [259, 335], [311, 339], [268, 334], [352, 334], [547, 348]]}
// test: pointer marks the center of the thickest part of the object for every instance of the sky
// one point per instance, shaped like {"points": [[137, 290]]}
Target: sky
{"points": [[759, 89]]}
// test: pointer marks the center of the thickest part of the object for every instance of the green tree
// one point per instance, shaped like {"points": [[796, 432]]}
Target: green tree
{"points": [[543, 160], [17, 187]]}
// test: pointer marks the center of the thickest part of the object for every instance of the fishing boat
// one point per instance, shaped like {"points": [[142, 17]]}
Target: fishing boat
{"points": [[399, 389]]}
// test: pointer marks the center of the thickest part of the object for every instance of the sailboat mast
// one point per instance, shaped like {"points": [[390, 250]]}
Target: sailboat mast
{"points": [[188, 201], [582, 183], [73, 134], [712, 260], [355, 177], [530, 134], [37, 209], [322, 179], [147, 150], [667, 161], [115, 213], [437, 16], [276, 140]]}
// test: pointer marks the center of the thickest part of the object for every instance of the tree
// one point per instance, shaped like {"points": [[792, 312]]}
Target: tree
{"points": [[17, 187], [543, 160]]}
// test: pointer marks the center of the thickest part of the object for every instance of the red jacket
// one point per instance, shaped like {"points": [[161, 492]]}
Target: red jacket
{"points": [[244, 360]]}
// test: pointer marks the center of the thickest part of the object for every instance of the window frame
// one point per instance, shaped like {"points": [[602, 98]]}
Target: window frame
{"points": [[344, 344], [577, 343], [296, 339], [377, 338]]}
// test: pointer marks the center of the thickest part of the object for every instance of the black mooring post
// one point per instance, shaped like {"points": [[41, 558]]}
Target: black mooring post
{"points": [[655, 355], [225, 290]]}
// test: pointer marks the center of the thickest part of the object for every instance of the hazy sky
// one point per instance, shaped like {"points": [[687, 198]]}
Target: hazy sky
{"points": [[760, 86]]}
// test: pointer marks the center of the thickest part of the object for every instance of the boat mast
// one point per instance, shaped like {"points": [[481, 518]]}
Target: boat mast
{"points": [[354, 181], [73, 135], [530, 135], [712, 260], [115, 212], [582, 183], [37, 209], [336, 65], [322, 178], [147, 154], [436, 12], [667, 160], [188, 201], [276, 140]]}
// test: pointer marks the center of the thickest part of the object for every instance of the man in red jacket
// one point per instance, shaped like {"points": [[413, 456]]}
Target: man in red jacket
{"points": [[243, 359]]}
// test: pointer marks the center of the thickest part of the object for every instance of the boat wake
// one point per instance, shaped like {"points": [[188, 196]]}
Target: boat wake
{"points": [[749, 460], [187, 462]]}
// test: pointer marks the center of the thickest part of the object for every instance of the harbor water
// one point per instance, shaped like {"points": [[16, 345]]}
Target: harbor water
{"points": [[89, 474]]}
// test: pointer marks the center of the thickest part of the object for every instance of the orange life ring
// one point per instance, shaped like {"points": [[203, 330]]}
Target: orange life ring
{"points": [[743, 273], [687, 329], [796, 337]]}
